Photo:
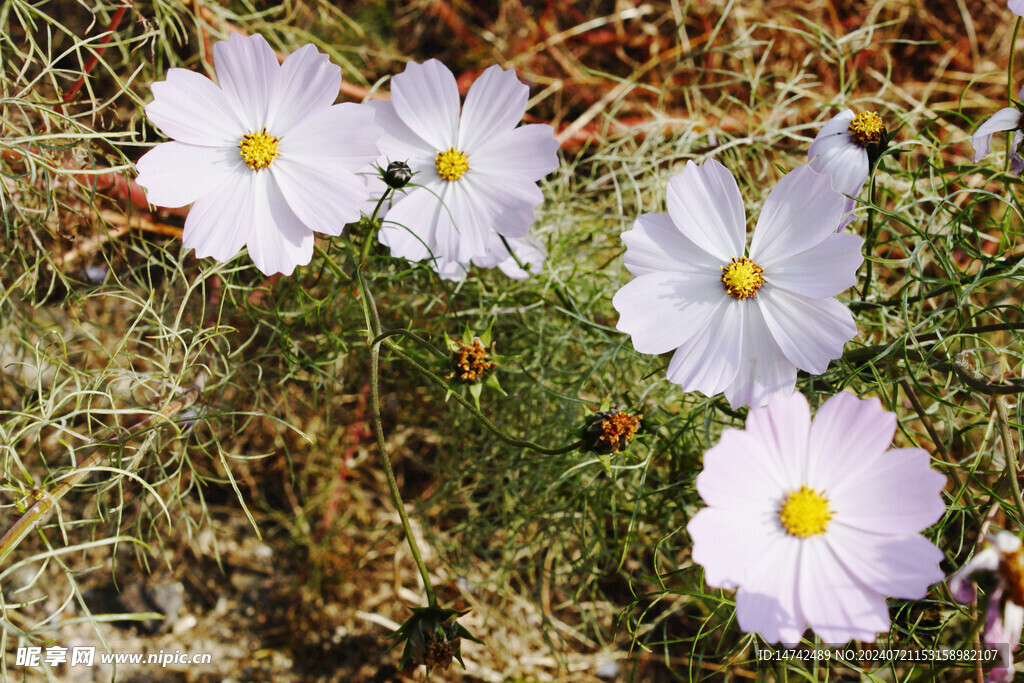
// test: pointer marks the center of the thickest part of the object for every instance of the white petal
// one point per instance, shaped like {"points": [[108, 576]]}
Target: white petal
{"points": [[505, 205], [849, 435], [709, 360], [343, 134], [900, 495], [190, 108], [655, 244], [811, 332], [739, 475], [1016, 163], [1017, 7], [838, 607], [705, 203], [729, 544], [837, 125], [767, 603], [494, 105], [247, 71], [323, 195], [529, 251], [399, 142], [781, 428], [895, 566], [409, 230], [450, 270], [1004, 119], [799, 213], [218, 223], [764, 371], [661, 311], [530, 152], [426, 98], [278, 241], [308, 83], [823, 270], [470, 222], [961, 582], [175, 174]]}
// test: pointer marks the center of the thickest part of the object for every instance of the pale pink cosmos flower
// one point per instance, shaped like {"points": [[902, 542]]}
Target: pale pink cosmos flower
{"points": [[1002, 558], [265, 157], [476, 168], [840, 150], [1007, 118], [740, 321], [813, 523]]}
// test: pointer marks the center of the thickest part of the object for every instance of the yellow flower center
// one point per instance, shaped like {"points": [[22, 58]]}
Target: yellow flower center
{"points": [[805, 512], [451, 164], [742, 278], [866, 128], [258, 149]]}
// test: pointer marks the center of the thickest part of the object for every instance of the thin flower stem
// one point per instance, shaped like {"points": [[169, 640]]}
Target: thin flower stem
{"points": [[369, 237], [402, 332], [369, 307], [511, 440], [869, 238], [1009, 66], [90, 63], [46, 500], [1008, 454]]}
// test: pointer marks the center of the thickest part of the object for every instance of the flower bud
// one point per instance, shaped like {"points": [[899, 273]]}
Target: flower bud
{"points": [[397, 174]]}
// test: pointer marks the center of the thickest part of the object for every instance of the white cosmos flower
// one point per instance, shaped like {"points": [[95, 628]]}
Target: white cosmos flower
{"points": [[740, 321], [840, 150], [265, 157], [814, 523], [1008, 118], [477, 172]]}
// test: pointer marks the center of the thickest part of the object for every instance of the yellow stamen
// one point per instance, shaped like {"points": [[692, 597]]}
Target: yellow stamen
{"points": [[742, 278], [805, 512], [451, 164], [258, 149], [1013, 575], [866, 128]]}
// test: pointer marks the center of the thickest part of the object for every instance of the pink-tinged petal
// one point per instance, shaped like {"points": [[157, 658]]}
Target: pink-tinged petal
{"points": [[764, 370], [399, 142], [190, 108], [848, 213], [661, 311], [343, 133], [837, 606], [782, 427], [308, 84], [323, 195], [175, 174], [529, 152], [278, 241], [981, 141], [799, 213], [823, 270], [961, 582], [247, 71], [901, 494], [426, 98], [1002, 630], [1016, 163], [761, 488], [1017, 7], [729, 545], [768, 602], [409, 230], [848, 436], [494, 105], [709, 360], [810, 331], [219, 223], [655, 244], [705, 203], [895, 566]]}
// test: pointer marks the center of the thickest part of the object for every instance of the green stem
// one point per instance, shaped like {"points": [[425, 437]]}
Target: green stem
{"points": [[869, 239], [1009, 67], [373, 228], [1008, 454]]}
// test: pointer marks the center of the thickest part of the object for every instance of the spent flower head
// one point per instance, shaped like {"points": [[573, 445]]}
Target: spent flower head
{"points": [[740, 320], [472, 363], [432, 637], [815, 522], [610, 431], [265, 158]]}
